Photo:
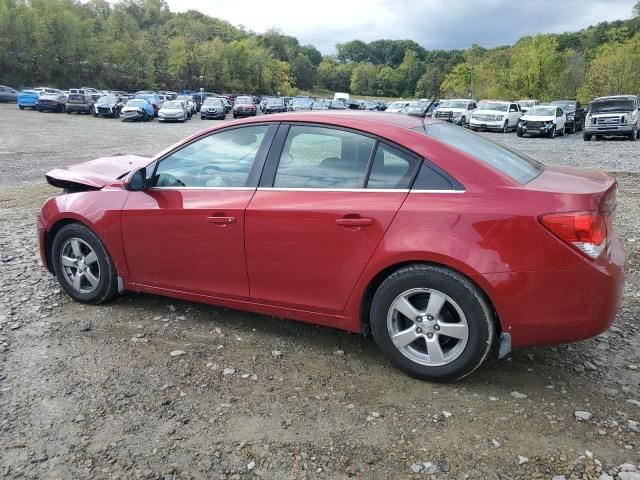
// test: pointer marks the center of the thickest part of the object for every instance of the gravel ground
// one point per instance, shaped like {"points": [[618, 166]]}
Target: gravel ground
{"points": [[147, 387]]}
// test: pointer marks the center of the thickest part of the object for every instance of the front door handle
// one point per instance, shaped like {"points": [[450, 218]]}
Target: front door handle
{"points": [[220, 220], [354, 222]]}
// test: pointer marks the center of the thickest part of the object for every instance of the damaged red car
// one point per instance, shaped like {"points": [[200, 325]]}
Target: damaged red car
{"points": [[439, 242]]}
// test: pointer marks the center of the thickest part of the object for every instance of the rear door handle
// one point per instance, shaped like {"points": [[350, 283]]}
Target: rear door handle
{"points": [[354, 222], [219, 220]]}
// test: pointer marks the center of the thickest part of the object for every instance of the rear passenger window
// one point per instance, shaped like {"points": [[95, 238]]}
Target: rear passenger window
{"points": [[319, 157], [391, 169]]}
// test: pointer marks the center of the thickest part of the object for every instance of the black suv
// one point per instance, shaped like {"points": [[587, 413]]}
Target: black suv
{"points": [[574, 112]]}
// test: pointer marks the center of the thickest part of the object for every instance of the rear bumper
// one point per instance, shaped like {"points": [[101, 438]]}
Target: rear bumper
{"points": [[49, 106], [542, 308], [78, 108]]}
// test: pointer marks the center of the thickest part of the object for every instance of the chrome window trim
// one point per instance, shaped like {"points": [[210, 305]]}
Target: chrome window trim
{"points": [[437, 191], [320, 189], [201, 188]]}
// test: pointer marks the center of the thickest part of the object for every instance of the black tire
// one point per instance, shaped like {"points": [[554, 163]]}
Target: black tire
{"points": [[505, 127], [20, 107], [107, 287], [586, 137], [561, 132], [552, 132], [634, 134], [481, 330], [597, 137], [519, 131]]}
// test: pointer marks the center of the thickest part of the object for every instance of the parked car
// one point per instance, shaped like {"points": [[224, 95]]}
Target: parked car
{"points": [[191, 105], [615, 116], [54, 102], [28, 99], [48, 90], [397, 107], [337, 104], [109, 106], [457, 110], [545, 120], [274, 105], [415, 109], [503, 232], [243, 107], [318, 105], [138, 109], [174, 110], [154, 99], [263, 102], [79, 103], [574, 112], [495, 115], [525, 105], [213, 107], [8, 94], [300, 104], [227, 104]]}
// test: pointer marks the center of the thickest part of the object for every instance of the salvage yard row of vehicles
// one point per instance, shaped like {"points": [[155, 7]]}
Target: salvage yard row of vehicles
{"points": [[605, 116]]}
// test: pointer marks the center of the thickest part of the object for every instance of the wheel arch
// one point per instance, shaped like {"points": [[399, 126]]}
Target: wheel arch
{"points": [[378, 278]]}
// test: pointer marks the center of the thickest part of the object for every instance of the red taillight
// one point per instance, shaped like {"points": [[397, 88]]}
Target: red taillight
{"points": [[586, 231]]}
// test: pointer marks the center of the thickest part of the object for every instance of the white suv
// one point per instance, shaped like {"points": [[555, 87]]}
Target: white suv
{"points": [[457, 110], [496, 115], [612, 116]]}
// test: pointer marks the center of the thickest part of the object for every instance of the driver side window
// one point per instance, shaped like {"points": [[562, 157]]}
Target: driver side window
{"points": [[222, 159]]}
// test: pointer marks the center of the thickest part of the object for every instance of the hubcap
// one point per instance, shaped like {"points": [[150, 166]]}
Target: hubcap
{"points": [[80, 267], [427, 326]]}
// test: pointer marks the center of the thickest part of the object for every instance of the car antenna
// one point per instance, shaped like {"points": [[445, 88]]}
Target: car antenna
{"points": [[424, 127]]}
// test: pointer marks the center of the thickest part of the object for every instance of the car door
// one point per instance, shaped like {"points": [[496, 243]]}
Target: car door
{"points": [[514, 114], [313, 225], [560, 119], [186, 230]]}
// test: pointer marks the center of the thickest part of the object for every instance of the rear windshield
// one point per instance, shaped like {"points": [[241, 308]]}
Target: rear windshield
{"points": [[75, 96], [509, 162]]}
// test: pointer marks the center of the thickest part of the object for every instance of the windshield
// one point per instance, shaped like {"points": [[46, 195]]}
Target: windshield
{"points": [[397, 105], [526, 103], [509, 162], [216, 102], [453, 104], [275, 101], [543, 111], [565, 105], [498, 107], [612, 105], [244, 100], [103, 100], [172, 104]]}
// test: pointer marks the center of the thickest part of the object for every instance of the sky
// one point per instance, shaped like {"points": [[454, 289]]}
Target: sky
{"points": [[434, 24]]}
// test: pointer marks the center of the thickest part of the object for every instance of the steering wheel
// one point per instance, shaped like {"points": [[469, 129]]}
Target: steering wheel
{"points": [[213, 180]]}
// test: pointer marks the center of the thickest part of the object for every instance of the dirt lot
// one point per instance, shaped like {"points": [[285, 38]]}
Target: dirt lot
{"points": [[93, 392]]}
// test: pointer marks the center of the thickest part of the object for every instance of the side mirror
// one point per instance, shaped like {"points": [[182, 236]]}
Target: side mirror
{"points": [[138, 181]]}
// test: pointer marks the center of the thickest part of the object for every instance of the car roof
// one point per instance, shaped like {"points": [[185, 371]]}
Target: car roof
{"points": [[608, 97]]}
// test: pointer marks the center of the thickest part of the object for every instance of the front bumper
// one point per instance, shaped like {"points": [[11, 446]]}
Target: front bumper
{"points": [[543, 308], [544, 130], [215, 114], [486, 124], [49, 106], [244, 113], [608, 129], [131, 116]]}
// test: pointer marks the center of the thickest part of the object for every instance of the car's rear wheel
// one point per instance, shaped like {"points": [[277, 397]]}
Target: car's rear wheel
{"points": [[586, 137], [20, 107], [82, 265], [432, 323]]}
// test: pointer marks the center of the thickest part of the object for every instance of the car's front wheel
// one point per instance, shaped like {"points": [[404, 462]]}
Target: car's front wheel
{"points": [[432, 323], [82, 265]]}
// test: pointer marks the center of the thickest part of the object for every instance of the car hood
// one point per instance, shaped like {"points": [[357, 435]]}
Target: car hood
{"points": [[451, 109], [96, 173], [538, 118], [171, 110]]}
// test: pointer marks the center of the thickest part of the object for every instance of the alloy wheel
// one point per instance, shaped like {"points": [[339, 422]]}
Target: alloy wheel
{"points": [[80, 266], [427, 326]]}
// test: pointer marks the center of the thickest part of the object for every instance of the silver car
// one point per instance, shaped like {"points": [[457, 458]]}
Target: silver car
{"points": [[174, 110]]}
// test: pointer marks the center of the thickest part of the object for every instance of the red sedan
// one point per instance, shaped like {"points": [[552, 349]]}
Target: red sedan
{"points": [[439, 242]]}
